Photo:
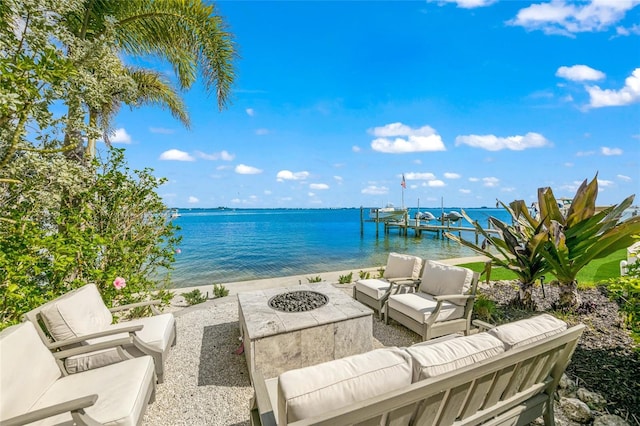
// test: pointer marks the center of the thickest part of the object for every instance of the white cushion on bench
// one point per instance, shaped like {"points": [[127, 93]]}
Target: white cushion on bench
{"points": [[440, 279], [402, 266], [318, 389], [83, 313], [523, 332], [420, 305], [430, 360]]}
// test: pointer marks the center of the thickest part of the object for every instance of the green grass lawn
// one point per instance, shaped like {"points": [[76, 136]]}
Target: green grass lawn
{"points": [[596, 272]]}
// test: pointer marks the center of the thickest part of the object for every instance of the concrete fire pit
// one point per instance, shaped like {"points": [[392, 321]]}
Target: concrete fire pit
{"points": [[276, 341]]}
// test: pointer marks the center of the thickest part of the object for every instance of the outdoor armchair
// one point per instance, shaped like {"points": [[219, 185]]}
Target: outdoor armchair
{"points": [[34, 389], [80, 317], [442, 304], [401, 272]]}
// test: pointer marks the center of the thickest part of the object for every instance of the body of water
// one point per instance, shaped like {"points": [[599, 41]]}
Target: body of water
{"points": [[229, 245]]}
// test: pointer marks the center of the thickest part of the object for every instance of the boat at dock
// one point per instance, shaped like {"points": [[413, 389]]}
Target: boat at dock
{"points": [[175, 213], [425, 216], [387, 213]]}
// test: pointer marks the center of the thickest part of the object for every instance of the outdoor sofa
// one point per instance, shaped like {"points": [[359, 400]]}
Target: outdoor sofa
{"points": [[34, 390], [441, 304], [80, 318], [506, 375]]}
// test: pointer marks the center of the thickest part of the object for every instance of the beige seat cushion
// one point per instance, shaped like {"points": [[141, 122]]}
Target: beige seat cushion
{"points": [[97, 359], [82, 312], [439, 279], [523, 332], [373, 287], [156, 332], [402, 266], [27, 369], [316, 390], [420, 306], [121, 390], [452, 354]]}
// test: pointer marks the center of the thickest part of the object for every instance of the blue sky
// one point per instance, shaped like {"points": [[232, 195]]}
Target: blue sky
{"points": [[471, 100]]}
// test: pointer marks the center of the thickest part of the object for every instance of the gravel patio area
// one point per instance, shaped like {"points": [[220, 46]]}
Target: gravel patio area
{"points": [[205, 382]]}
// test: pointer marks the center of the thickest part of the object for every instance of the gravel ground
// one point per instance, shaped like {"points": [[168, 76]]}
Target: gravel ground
{"points": [[605, 360], [205, 383]]}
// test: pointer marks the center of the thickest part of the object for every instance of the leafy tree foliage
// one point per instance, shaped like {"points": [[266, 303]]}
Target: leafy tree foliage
{"points": [[116, 226]]}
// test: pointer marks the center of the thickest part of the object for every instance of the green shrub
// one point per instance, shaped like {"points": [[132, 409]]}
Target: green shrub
{"points": [[381, 272], [364, 275], [315, 279], [220, 290], [345, 279], [626, 291], [194, 297], [484, 308]]}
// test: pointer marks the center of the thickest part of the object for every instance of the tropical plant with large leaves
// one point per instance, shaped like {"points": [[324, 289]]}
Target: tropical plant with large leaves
{"points": [[186, 33], [584, 233], [516, 248]]}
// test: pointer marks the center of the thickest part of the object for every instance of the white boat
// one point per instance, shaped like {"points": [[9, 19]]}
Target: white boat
{"points": [[174, 213], [425, 216], [452, 216], [388, 212]]}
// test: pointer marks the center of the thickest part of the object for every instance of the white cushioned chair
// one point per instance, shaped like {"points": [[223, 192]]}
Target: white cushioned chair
{"points": [[33, 389], [442, 304], [80, 317], [401, 274]]}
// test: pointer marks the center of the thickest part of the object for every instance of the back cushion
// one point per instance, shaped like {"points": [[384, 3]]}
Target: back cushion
{"points": [[28, 369], [523, 332], [439, 279], [319, 389], [402, 266], [77, 314], [452, 354]]}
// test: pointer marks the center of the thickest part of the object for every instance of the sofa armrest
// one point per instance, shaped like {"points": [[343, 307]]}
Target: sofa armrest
{"points": [[265, 410], [94, 347], [130, 329], [74, 405], [483, 326], [150, 303]]}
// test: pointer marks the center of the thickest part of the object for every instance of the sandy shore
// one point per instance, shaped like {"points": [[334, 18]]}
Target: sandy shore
{"points": [[205, 382]]}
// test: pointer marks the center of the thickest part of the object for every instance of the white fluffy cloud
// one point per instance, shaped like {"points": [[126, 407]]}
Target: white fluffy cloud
{"points": [[580, 73], [243, 169], [193, 200], [437, 183], [419, 176], [262, 132], [222, 155], [289, 175], [318, 186], [466, 4], [120, 136], [610, 151], [356, 148], [375, 190], [398, 138], [629, 94], [449, 175], [250, 112], [566, 18], [624, 178], [495, 143], [176, 155], [490, 181], [634, 29]]}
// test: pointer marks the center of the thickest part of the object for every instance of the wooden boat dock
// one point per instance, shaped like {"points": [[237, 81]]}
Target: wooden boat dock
{"points": [[419, 226]]}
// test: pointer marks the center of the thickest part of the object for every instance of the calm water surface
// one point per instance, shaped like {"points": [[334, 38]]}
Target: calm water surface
{"points": [[220, 246]]}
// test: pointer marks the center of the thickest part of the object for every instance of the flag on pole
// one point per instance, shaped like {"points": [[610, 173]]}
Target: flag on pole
{"points": [[403, 183]]}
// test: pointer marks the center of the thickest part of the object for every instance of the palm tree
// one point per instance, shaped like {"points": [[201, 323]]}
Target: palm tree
{"points": [[186, 33], [573, 240], [517, 248]]}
